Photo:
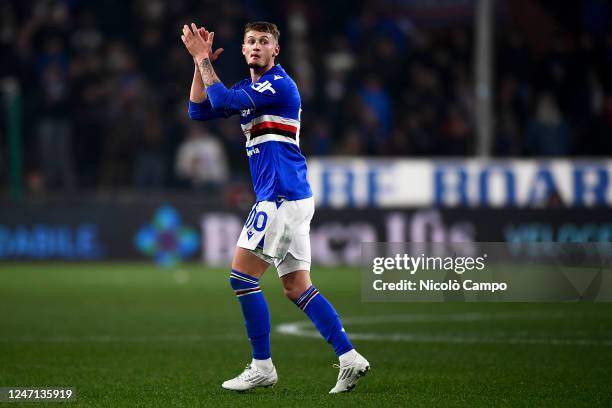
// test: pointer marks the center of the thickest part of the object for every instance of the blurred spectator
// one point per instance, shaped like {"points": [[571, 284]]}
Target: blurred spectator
{"points": [[548, 133], [201, 160], [352, 143], [508, 138], [455, 133], [149, 163], [101, 81], [319, 137], [377, 100], [422, 143], [55, 129], [91, 90]]}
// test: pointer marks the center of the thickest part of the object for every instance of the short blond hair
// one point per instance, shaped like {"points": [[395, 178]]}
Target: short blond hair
{"points": [[264, 27]]}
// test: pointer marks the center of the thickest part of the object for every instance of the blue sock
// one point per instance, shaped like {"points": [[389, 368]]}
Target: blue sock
{"points": [[325, 319], [255, 312]]}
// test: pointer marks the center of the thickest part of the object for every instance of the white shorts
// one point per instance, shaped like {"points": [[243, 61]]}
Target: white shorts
{"points": [[279, 233]]}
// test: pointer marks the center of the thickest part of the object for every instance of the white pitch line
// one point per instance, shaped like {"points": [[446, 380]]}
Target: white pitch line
{"points": [[304, 329]]}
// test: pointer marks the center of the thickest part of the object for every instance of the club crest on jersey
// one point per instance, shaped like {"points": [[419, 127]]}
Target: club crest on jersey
{"points": [[261, 87]]}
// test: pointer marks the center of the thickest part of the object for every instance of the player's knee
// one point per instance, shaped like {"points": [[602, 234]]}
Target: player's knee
{"points": [[291, 293], [293, 290], [296, 283]]}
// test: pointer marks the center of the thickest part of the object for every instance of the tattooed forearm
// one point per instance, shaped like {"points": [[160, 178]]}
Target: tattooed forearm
{"points": [[208, 73]]}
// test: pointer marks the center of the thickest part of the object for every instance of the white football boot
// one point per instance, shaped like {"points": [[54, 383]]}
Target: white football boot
{"points": [[350, 374], [251, 378]]}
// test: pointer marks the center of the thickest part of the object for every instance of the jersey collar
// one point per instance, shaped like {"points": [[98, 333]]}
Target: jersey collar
{"points": [[276, 68]]}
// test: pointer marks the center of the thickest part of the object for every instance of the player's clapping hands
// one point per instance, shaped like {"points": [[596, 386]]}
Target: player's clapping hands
{"points": [[198, 42]]}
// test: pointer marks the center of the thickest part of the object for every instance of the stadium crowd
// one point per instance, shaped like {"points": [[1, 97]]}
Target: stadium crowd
{"points": [[105, 84]]}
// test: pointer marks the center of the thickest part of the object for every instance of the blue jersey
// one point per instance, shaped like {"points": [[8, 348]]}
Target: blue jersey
{"points": [[270, 119]]}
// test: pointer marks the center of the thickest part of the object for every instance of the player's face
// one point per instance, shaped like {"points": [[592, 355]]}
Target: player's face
{"points": [[259, 49]]}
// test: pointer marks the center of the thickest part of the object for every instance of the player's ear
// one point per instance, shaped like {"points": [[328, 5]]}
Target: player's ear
{"points": [[276, 50], [243, 50]]}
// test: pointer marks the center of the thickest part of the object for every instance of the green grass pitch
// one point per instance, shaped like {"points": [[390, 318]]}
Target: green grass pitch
{"points": [[131, 335]]}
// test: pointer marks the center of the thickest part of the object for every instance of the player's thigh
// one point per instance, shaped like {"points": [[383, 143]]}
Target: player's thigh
{"points": [[246, 262]]}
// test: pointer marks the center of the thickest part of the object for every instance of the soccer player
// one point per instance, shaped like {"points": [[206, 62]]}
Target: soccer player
{"points": [[277, 228]]}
